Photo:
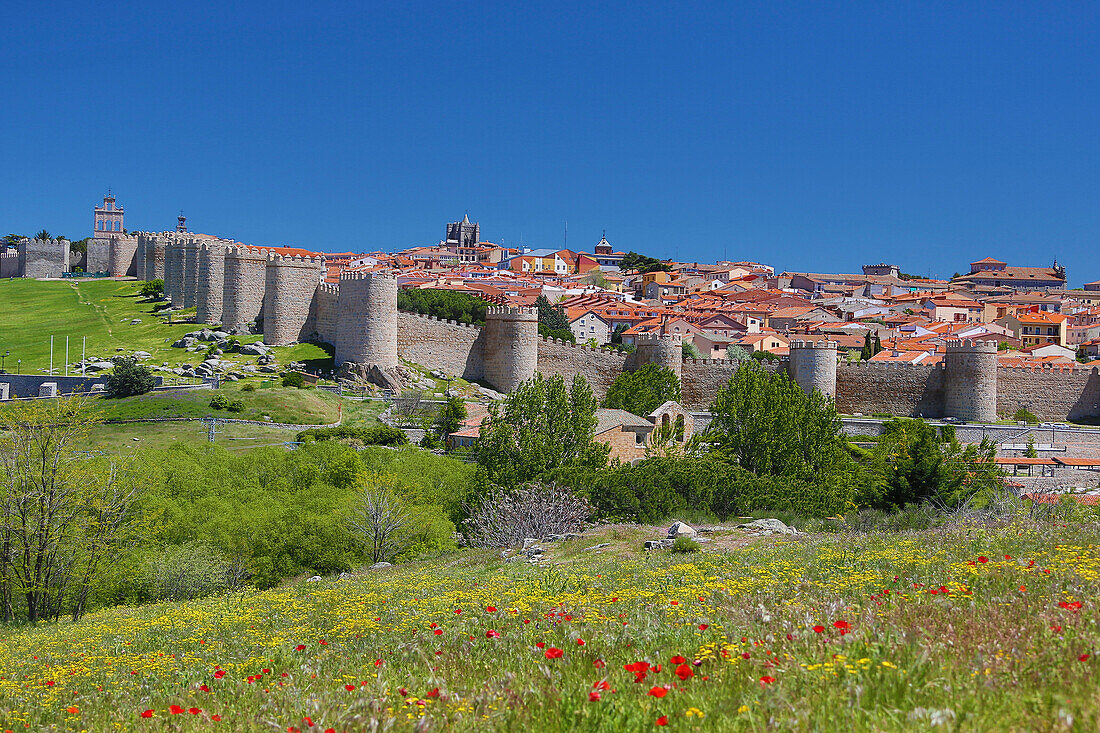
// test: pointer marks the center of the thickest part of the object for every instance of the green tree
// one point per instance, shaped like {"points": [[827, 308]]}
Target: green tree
{"points": [[450, 417], [543, 426], [642, 263], [151, 288], [1031, 451], [877, 347], [644, 390], [444, 304], [11, 240], [868, 348], [43, 234], [1083, 355], [617, 333], [129, 378], [553, 322], [767, 425]]}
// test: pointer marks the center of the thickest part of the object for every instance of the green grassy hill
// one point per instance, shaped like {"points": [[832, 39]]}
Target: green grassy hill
{"points": [[101, 311]]}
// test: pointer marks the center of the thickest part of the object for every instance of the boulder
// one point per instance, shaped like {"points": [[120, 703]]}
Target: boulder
{"points": [[221, 335], [490, 393], [142, 355], [254, 350], [658, 544], [314, 579], [380, 565], [184, 343], [529, 542], [762, 527], [97, 366], [135, 321], [681, 529]]}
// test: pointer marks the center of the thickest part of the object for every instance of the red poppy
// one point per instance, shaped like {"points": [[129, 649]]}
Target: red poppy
{"points": [[593, 697], [438, 632], [657, 691], [601, 685], [72, 709], [684, 672], [637, 667], [434, 692], [819, 629], [704, 627], [322, 641], [599, 664], [308, 721], [766, 680], [554, 653], [1083, 658], [1056, 629], [204, 688], [1075, 606], [540, 644], [175, 709], [50, 683], [490, 609], [458, 610], [300, 647], [675, 603], [844, 626], [194, 711], [1008, 557], [983, 559], [147, 714], [491, 634], [744, 655], [580, 642], [216, 718], [663, 720], [677, 660]]}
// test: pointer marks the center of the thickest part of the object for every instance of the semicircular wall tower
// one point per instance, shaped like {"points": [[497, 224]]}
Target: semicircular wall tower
{"points": [[366, 321], [511, 347], [970, 381], [243, 288], [664, 350], [291, 285], [813, 366]]}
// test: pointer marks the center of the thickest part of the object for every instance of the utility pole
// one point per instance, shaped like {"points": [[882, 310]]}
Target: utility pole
{"points": [[66, 356], [51, 356]]}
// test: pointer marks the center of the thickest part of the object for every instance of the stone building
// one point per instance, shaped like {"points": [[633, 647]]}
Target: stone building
{"points": [[108, 219]]}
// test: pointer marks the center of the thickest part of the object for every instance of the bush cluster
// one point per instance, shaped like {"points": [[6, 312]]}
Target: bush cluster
{"points": [[378, 435], [221, 402]]}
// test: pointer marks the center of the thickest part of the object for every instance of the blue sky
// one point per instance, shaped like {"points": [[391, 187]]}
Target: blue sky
{"points": [[816, 136]]}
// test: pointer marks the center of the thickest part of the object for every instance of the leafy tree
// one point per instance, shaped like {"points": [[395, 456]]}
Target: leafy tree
{"points": [[43, 234], [1083, 355], [767, 425], [450, 417], [688, 350], [1025, 415], [643, 264], [617, 333], [543, 426], [764, 356], [448, 305], [644, 390], [551, 316], [80, 246], [293, 379], [877, 347], [11, 240], [151, 288], [129, 378]]}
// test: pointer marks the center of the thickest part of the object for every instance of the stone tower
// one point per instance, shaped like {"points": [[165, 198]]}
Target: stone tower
{"points": [[153, 247], [108, 219], [511, 348], [464, 233], [122, 255], [813, 366], [243, 288], [291, 284], [366, 321], [43, 257], [970, 381], [664, 350], [190, 271], [173, 271], [181, 223], [211, 283]]}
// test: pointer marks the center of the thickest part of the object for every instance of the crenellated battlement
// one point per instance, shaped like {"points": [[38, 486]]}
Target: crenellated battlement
{"points": [[824, 345], [511, 312], [278, 260], [972, 347], [361, 275], [656, 338]]}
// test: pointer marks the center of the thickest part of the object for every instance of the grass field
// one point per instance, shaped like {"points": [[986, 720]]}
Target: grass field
{"points": [[955, 629], [100, 310]]}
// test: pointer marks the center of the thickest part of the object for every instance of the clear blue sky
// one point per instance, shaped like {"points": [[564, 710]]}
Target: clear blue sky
{"points": [[816, 136]]}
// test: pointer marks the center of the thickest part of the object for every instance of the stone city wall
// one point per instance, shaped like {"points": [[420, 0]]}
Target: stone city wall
{"points": [[323, 314], [99, 256], [598, 366], [1061, 392], [153, 246], [43, 257], [173, 271], [909, 390], [450, 346], [190, 272], [9, 263]]}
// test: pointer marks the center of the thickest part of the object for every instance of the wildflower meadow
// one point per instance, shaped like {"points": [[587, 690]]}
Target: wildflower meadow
{"points": [[967, 628]]}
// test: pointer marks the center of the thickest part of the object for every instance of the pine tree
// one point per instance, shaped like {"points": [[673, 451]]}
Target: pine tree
{"points": [[878, 345], [867, 351]]}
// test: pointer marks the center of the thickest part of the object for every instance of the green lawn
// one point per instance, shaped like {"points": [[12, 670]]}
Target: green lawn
{"points": [[101, 311]]}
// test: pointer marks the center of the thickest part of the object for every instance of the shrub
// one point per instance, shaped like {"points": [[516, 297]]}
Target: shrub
{"points": [[1025, 415], [506, 517], [380, 435], [235, 406], [219, 402], [129, 378], [250, 387], [685, 544], [190, 571], [151, 288], [293, 379]]}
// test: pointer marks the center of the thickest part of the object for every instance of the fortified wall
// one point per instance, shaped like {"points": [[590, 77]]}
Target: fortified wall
{"points": [[285, 299], [42, 257]]}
